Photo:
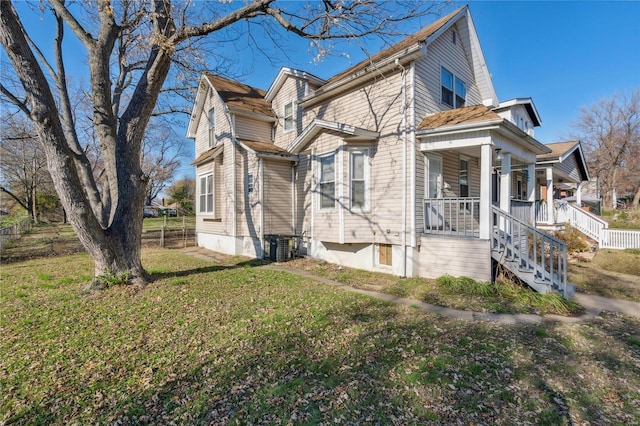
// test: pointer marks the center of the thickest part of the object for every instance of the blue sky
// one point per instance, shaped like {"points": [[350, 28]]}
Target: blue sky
{"points": [[564, 55]]}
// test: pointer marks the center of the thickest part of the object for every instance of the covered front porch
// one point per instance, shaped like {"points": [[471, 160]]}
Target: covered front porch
{"points": [[560, 174], [479, 185], [464, 178]]}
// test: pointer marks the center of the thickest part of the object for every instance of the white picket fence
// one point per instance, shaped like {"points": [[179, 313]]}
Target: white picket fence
{"points": [[591, 225], [619, 239]]}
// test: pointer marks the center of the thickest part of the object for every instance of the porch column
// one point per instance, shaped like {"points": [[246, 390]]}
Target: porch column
{"points": [[531, 190], [550, 195], [579, 195], [505, 183], [486, 154]]}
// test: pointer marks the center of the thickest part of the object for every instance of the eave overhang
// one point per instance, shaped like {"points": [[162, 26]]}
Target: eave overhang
{"points": [[317, 126], [500, 125], [208, 155], [282, 77]]}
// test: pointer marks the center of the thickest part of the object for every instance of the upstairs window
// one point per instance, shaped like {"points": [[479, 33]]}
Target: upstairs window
{"points": [[289, 121], [454, 90], [212, 127], [327, 181]]}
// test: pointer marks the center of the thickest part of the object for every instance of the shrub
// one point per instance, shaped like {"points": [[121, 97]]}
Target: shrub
{"points": [[574, 239]]}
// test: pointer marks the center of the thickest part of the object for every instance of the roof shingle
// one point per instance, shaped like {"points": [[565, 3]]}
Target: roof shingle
{"points": [[558, 149], [418, 37], [451, 117], [241, 96]]}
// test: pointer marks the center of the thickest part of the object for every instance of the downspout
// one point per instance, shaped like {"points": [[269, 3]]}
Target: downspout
{"points": [[261, 177], [234, 233], [413, 157], [404, 170], [234, 142]]}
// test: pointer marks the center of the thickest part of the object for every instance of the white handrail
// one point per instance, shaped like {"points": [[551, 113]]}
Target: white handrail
{"points": [[587, 223], [531, 249]]}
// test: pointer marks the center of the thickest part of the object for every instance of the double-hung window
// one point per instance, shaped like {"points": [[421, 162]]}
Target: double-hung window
{"points": [[289, 120], [212, 127], [358, 172], [454, 90], [206, 194], [327, 181]]}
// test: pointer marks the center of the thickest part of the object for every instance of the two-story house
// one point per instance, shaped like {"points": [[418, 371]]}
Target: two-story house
{"points": [[405, 163]]}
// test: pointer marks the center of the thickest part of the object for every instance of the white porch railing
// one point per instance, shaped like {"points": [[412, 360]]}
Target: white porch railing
{"points": [[542, 213], [534, 256], [587, 223], [620, 239], [458, 217]]}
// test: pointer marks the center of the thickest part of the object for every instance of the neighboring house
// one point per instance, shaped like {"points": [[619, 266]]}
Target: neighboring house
{"points": [[560, 174], [405, 163]]}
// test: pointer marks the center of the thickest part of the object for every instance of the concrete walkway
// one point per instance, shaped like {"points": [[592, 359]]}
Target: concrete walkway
{"points": [[593, 305]]}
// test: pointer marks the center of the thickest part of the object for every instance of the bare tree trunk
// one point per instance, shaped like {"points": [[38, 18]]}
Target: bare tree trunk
{"points": [[636, 198]]}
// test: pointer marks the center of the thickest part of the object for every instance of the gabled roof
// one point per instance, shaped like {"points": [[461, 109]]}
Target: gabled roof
{"points": [[239, 95], [287, 72], [451, 117], [417, 38], [317, 126], [560, 151], [529, 106], [412, 48]]}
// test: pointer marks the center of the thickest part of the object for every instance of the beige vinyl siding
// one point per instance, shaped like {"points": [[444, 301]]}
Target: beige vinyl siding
{"points": [[456, 257], [222, 123], [326, 222], [293, 89], [376, 107], [451, 174], [277, 197], [442, 52], [303, 195], [253, 130], [248, 204], [221, 222]]}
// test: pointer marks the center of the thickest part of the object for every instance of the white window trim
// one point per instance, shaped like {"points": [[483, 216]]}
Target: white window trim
{"points": [[426, 175], [292, 116], [453, 89], [367, 178], [250, 183], [211, 127], [335, 182], [205, 194]]}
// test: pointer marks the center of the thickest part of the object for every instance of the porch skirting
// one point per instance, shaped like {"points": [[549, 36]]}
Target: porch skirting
{"points": [[468, 257]]}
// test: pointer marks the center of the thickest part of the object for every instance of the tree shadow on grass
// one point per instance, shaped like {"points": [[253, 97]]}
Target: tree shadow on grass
{"points": [[250, 263]]}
